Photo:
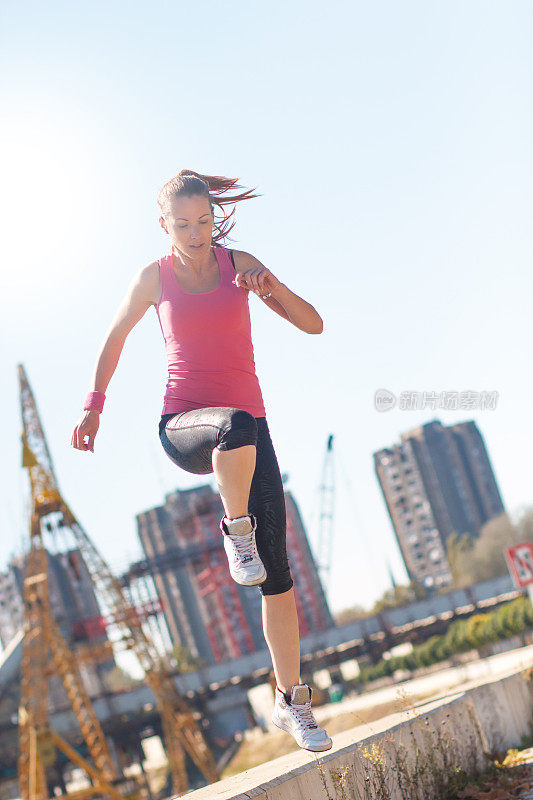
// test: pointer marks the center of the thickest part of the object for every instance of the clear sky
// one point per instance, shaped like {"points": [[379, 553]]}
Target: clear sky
{"points": [[391, 144]]}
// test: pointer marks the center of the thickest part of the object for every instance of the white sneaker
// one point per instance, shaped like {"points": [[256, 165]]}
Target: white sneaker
{"points": [[245, 566], [297, 719]]}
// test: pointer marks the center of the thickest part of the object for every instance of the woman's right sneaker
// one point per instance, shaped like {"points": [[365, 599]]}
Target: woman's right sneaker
{"points": [[245, 565], [295, 717]]}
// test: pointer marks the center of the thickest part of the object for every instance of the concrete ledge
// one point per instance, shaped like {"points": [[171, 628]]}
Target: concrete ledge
{"points": [[450, 733]]}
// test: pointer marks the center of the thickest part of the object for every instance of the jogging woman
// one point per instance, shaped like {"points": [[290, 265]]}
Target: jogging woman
{"points": [[213, 417]]}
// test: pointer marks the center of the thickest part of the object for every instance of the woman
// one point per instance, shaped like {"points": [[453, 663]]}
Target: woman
{"points": [[213, 417]]}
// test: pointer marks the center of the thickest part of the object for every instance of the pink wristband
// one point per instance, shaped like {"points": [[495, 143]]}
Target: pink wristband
{"points": [[94, 400]]}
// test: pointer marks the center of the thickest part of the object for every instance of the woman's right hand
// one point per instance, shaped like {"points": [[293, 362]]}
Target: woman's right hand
{"points": [[87, 426]]}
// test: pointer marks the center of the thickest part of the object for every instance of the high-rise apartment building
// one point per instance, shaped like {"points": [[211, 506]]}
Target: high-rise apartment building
{"points": [[215, 618], [437, 481]]}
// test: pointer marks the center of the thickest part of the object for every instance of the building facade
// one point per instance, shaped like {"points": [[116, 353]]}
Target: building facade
{"points": [[73, 606], [437, 481]]}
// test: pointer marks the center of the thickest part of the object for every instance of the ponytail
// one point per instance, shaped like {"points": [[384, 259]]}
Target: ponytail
{"points": [[188, 183]]}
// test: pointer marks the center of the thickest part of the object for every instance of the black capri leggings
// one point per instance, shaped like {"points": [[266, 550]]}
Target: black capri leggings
{"points": [[189, 438]]}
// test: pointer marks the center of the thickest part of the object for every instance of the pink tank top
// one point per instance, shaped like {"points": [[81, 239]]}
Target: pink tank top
{"points": [[208, 343]]}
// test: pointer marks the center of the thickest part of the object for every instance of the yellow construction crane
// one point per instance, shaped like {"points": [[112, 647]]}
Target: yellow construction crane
{"points": [[45, 651]]}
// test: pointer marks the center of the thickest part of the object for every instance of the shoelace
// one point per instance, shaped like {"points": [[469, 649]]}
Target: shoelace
{"points": [[244, 549], [304, 715]]}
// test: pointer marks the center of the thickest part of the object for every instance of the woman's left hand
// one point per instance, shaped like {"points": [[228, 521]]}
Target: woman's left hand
{"points": [[257, 279]]}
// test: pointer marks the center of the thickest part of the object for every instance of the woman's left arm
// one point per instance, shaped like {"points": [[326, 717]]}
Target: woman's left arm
{"points": [[252, 275]]}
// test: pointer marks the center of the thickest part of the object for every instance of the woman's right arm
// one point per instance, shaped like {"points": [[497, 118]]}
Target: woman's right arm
{"points": [[142, 293]]}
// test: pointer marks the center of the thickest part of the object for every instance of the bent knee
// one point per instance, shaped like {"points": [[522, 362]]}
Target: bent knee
{"points": [[239, 430]]}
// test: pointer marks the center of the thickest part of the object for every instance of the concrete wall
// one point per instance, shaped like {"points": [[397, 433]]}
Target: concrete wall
{"points": [[450, 733]]}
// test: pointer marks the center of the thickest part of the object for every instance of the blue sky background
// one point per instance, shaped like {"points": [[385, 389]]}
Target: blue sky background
{"points": [[392, 147]]}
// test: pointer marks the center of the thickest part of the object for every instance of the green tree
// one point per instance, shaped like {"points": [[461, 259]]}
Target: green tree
{"points": [[348, 615], [474, 559], [456, 637], [475, 633], [524, 525], [399, 596], [459, 553], [508, 620]]}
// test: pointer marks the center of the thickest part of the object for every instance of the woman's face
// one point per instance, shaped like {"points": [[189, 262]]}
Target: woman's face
{"points": [[189, 223]]}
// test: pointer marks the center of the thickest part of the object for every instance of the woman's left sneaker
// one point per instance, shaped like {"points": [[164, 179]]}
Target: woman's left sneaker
{"points": [[245, 566], [295, 717]]}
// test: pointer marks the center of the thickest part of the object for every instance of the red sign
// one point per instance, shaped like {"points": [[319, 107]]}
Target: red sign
{"points": [[520, 563]]}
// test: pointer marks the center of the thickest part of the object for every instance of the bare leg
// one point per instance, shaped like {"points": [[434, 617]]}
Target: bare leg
{"points": [[234, 471], [280, 626]]}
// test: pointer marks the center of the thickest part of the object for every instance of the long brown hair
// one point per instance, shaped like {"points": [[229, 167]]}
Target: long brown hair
{"points": [[188, 183]]}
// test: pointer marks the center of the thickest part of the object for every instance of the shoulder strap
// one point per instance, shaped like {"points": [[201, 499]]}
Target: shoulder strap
{"points": [[163, 267], [232, 260]]}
